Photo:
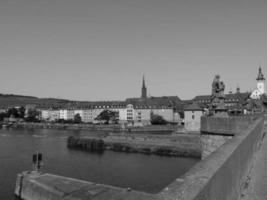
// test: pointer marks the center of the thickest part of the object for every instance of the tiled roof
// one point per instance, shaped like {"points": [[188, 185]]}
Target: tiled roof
{"points": [[193, 107], [241, 97], [156, 102], [202, 98]]}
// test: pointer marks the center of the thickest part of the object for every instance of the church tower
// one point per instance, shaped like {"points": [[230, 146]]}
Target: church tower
{"points": [[260, 82], [144, 90], [259, 91]]}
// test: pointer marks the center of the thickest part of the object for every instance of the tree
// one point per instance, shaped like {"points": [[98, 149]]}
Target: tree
{"points": [[12, 112], [21, 112], [32, 115], [2, 116], [157, 120], [77, 118], [107, 116]]}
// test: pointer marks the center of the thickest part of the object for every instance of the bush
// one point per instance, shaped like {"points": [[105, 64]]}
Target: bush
{"points": [[157, 120]]}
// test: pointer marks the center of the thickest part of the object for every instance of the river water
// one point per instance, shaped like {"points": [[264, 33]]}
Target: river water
{"points": [[147, 173]]}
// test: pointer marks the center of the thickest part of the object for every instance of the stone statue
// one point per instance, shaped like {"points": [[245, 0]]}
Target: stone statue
{"points": [[218, 96], [218, 87]]}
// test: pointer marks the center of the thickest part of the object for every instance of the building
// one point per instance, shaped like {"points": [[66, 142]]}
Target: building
{"points": [[192, 117], [131, 110], [260, 90], [66, 114], [232, 100], [140, 110], [50, 115]]}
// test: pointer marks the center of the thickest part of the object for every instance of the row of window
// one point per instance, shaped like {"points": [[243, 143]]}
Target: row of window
{"points": [[227, 100]]}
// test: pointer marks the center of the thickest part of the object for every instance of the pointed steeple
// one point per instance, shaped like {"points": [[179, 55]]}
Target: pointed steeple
{"points": [[144, 90], [144, 84], [260, 75]]}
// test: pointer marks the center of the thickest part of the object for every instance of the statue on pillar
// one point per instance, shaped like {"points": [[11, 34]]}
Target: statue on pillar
{"points": [[218, 96]]}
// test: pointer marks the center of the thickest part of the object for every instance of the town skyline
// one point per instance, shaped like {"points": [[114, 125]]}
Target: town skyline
{"points": [[92, 51]]}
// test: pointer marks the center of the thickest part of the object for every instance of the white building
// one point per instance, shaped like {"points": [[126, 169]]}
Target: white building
{"points": [[87, 115], [45, 114], [66, 114], [122, 112], [260, 90], [192, 117], [142, 113], [50, 115]]}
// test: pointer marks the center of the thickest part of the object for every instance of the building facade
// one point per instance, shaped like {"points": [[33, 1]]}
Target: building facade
{"points": [[50, 115], [192, 117], [66, 114]]}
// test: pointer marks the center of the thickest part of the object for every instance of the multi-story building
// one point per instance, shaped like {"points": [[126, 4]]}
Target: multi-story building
{"points": [[50, 115], [66, 114], [130, 110], [192, 117], [231, 99]]}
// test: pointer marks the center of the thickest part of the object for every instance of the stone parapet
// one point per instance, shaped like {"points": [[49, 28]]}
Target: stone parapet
{"points": [[226, 125]]}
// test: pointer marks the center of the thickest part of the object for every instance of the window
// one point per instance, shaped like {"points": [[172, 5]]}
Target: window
{"points": [[193, 116]]}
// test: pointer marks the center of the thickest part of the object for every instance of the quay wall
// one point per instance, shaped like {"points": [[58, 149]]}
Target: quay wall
{"points": [[221, 175]]}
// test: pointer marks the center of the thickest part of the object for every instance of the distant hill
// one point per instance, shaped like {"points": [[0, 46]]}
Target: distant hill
{"points": [[12, 100]]}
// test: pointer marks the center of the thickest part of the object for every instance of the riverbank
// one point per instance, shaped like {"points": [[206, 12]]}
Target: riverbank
{"points": [[182, 145], [117, 128]]}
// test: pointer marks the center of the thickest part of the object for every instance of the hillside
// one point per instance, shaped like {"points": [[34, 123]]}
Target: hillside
{"points": [[12, 100]]}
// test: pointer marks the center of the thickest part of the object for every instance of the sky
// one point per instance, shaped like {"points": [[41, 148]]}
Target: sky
{"points": [[100, 49]]}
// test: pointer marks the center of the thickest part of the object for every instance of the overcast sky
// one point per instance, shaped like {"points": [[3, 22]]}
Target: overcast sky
{"points": [[100, 49]]}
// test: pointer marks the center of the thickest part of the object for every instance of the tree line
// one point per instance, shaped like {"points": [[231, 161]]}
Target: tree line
{"points": [[32, 115]]}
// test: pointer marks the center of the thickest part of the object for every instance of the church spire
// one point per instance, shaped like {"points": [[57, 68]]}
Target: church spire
{"points": [[260, 75], [144, 84], [144, 90]]}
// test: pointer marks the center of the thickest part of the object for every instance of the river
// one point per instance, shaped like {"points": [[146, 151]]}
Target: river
{"points": [[147, 173]]}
